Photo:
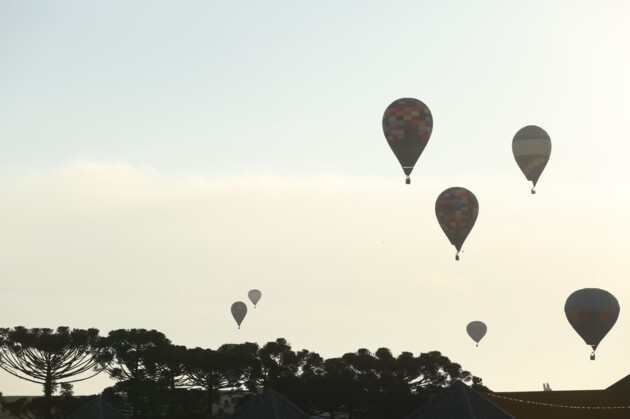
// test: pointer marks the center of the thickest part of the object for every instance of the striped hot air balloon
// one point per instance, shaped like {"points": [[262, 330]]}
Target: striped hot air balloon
{"points": [[531, 147]]}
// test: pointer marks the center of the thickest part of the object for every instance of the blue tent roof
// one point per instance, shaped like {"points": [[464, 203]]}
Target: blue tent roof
{"points": [[269, 405], [459, 402]]}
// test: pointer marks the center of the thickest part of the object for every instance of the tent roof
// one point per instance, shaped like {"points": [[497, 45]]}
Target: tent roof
{"points": [[461, 402], [97, 409], [269, 405]]}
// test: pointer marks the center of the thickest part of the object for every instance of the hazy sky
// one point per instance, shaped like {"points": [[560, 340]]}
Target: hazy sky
{"points": [[159, 159]]}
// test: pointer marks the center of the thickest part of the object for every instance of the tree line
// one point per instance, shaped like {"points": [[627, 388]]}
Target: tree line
{"points": [[155, 378]]}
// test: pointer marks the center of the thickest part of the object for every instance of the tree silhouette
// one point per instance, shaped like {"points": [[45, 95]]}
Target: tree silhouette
{"points": [[277, 361], [337, 390], [156, 379], [429, 371], [225, 368], [50, 358], [136, 362]]}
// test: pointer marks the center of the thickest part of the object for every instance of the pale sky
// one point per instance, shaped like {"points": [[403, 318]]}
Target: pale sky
{"points": [[160, 159]]}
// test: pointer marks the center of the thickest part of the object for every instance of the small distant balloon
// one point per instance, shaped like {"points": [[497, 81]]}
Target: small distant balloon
{"points": [[531, 147], [239, 310], [456, 210], [407, 125], [592, 312], [476, 330], [254, 296]]}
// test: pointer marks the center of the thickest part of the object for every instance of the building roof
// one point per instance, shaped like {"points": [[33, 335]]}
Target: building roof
{"points": [[459, 402], [623, 384], [97, 409], [569, 404], [269, 405]]}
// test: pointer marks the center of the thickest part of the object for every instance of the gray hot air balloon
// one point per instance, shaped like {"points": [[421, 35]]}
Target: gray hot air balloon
{"points": [[531, 147], [476, 330], [592, 312], [254, 296], [239, 310]]}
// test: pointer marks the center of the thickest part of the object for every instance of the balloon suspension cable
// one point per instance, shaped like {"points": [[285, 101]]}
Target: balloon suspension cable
{"points": [[533, 190], [408, 181]]}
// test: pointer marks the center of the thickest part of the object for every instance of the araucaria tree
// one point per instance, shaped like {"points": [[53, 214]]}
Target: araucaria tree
{"points": [[141, 366], [225, 368], [50, 358]]}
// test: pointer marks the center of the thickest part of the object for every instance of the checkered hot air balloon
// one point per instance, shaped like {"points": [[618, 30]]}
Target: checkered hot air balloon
{"points": [[456, 210], [407, 125], [592, 312], [531, 147]]}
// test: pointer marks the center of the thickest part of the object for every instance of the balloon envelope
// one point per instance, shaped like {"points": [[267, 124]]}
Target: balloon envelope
{"points": [[456, 210], [476, 330], [531, 147], [592, 312], [239, 310], [254, 296], [407, 125]]}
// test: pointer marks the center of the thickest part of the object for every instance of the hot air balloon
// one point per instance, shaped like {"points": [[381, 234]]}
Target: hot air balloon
{"points": [[239, 310], [592, 312], [456, 210], [407, 124], [531, 147], [254, 296], [476, 330]]}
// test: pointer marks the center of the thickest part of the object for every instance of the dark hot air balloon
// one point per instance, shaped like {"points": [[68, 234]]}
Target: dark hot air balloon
{"points": [[531, 147], [476, 330], [592, 312], [254, 296], [456, 210], [407, 124], [239, 310]]}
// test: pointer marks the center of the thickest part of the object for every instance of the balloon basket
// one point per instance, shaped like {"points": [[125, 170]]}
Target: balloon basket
{"points": [[408, 181], [592, 356], [533, 191]]}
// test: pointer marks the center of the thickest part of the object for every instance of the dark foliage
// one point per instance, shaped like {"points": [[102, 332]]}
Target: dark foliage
{"points": [[156, 379], [57, 407]]}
